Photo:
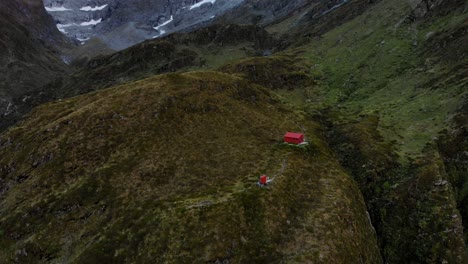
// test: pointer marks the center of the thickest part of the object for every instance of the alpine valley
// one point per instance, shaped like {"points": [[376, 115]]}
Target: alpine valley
{"points": [[137, 131]]}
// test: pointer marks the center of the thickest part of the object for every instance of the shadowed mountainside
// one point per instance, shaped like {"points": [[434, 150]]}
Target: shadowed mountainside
{"points": [[206, 48], [29, 57]]}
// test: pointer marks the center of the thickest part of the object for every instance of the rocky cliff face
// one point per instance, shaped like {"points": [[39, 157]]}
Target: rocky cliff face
{"points": [[120, 23], [422, 7]]}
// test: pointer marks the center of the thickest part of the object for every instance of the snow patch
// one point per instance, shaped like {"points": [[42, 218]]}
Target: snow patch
{"points": [[61, 27], [201, 3], [89, 8], [83, 39], [161, 31], [165, 23], [91, 23], [56, 9]]}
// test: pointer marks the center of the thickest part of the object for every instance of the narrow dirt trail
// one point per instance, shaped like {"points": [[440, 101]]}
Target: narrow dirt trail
{"points": [[281, 171]]}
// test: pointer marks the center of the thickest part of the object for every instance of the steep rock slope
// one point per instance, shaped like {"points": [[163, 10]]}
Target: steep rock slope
{"points": [[266, 12], [28, 53], [453, 148], [164, 169], [120, 23]]}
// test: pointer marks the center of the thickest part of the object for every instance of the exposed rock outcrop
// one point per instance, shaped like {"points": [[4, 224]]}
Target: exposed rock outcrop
{"points": [[422, 7]]}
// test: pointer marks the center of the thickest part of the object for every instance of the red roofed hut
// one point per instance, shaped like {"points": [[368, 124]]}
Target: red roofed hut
{"points": [[294, 138]]}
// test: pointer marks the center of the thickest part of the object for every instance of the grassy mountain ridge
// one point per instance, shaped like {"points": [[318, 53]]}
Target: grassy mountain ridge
{"points": [[205, 48], [170, 157]]}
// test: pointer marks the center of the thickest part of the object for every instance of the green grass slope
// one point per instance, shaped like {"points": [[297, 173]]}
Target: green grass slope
{"points": [[389, 82], [381, 62], [163, 170]]}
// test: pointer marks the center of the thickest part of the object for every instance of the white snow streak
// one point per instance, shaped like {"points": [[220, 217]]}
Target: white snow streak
{"points": [[202, 3], [91, 23], [62, 27], [56, 9], [89, 8], [82, 39], [161, 31], [335, 7], [163, 24]]}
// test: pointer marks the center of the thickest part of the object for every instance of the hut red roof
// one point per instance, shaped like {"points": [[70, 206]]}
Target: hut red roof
{"points": [[294, 138]]}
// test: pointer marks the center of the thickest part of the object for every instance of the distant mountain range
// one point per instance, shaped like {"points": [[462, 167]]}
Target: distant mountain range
{"points": [[121, 23]]}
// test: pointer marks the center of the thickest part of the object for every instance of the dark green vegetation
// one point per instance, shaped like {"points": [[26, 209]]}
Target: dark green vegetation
{"points": [[163, 169]]}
